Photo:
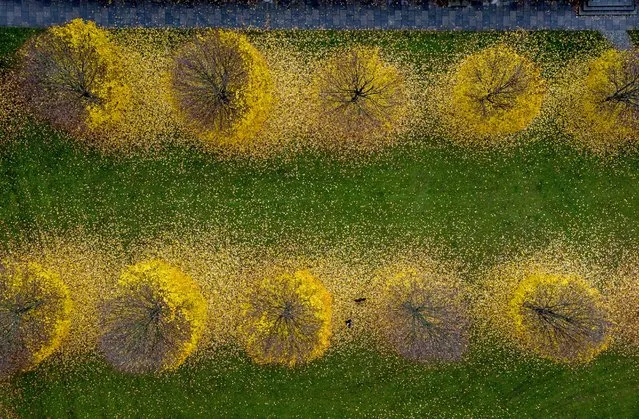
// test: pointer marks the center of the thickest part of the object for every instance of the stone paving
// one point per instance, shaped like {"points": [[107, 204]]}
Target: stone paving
{"points": [[39, 13], [619, 39]]}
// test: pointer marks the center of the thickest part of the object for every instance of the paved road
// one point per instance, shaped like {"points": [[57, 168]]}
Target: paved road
{"points": [[39, 13]]}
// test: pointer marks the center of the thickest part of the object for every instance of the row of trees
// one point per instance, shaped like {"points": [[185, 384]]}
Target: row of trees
{"points": [[222, 89], [157, 315], [498, 92], [220, 85]]}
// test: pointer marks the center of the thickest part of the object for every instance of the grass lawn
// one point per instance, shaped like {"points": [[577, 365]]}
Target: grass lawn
{"points": [[479, 205], [342, 384]]}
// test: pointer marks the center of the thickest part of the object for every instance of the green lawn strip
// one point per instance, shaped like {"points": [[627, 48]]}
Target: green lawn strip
{"points": [[8, 399], [558, 46], [428, 48], [10, 40], [345, 383], [475, 204]]}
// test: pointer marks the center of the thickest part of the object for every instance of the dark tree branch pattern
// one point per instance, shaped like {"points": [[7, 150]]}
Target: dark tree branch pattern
{"points": [[209, 78], [425, 321]]}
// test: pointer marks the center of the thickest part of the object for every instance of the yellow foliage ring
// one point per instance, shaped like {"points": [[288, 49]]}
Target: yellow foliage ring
{"points": [[594, 118], [110, 88], [179, 303], [560, 317], [287, 320], [495, 92], [43, 303], [254, 99], [360, 93]]}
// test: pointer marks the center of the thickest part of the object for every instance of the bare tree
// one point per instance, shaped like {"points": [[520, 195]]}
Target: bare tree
{"points": [[623, 92], [281, 324], [360, 93], [426, 321], [28, 317], [141, 333], [502, 84], [61, 80], [563, 321], [209, 80]]}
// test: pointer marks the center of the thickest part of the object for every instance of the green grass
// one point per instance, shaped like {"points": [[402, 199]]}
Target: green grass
{"points": [[10, 40], [343, 384], [479, 205]]}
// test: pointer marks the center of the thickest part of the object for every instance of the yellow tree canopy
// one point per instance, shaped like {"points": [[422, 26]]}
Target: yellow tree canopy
{"points": [[605, 108], [156, 319], [495, 92], [560, 317], [360, 94], [287, 320], [74, 78], [222, 87], [35, 310]]}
